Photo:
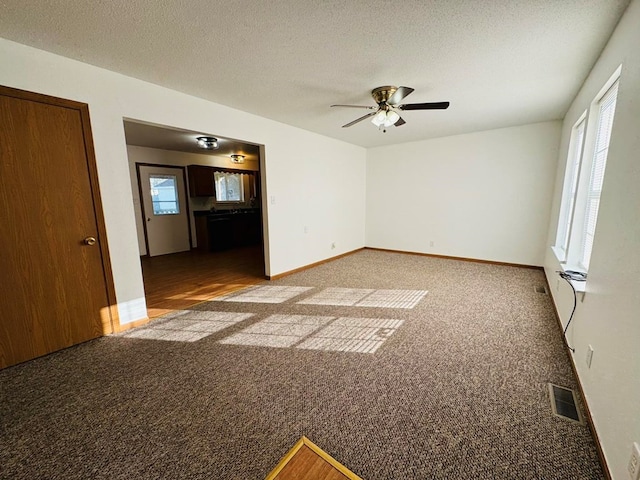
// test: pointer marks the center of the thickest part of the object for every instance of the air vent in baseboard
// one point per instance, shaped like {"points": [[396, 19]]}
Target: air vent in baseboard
{"points": [[541, 289], [563, 403]]}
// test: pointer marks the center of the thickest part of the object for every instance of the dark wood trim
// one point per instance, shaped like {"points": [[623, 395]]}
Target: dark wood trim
{"points": [[490, 262], [186, 196], [42, 98], [463, 259], [83, 109], [603, 460], [144, 214], [311, 265]]}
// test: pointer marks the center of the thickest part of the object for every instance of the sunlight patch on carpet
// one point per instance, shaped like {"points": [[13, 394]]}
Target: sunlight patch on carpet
{"points": [[337, 296], [278, 331], [188, 326], [364, 297], [264, 294], [362, 335]]}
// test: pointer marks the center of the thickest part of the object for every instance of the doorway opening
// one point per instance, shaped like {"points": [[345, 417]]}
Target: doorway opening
{"points": [[199, 214]]}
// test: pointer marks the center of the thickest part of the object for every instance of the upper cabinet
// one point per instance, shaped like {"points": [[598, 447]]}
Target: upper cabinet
{"points": [[201, 182], [236, 186]]}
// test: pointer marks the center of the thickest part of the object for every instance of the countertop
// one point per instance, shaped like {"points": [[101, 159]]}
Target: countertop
{"points": [[221, 213]]}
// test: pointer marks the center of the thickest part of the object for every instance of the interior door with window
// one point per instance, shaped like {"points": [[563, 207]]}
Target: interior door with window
{"points": [[165, 212]]}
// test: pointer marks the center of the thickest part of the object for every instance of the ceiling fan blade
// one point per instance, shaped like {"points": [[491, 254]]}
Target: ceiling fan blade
{"points": [[424, 106], [399, 94], [355, 106], [400, 122], [359, 119]]}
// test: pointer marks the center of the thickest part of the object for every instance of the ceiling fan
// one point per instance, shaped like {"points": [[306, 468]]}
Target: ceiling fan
{"points": [[386, 113]]}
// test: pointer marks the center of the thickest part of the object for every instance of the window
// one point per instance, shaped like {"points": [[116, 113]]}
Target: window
{"points": [[571, 187], [164, 194], [607, 107], [584, 177], [229, 187]]}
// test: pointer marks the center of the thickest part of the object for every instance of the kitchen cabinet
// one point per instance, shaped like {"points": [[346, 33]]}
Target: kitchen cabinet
{"points": [[201, 181], [221, 231], [202, 233]]}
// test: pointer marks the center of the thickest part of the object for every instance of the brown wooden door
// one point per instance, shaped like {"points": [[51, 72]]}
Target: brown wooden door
{"points": [[54, 286]]}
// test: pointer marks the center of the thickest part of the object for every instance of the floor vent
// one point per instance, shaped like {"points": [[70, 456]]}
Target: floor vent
{"points": [[541, 289], [563, 403]]}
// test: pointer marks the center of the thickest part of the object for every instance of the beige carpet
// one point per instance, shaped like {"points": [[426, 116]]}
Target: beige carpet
{"points": [[456, 387]]}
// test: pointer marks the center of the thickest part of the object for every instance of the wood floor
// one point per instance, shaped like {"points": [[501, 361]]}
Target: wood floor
{"points": [[307, 461], [179, 280]]}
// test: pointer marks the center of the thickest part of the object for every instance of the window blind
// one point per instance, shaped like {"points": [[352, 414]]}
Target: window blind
{"points": [[606, 111]]}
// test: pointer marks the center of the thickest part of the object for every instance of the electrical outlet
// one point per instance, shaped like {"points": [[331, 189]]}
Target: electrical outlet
{"points": [[557, 285], [333, 245], [306, 229], [589, 355], [634, 462], [431, 243]]}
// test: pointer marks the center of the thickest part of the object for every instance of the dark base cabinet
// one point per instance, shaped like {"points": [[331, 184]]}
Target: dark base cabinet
{"points": [[221, 231], [245, 229], [202, 232]]}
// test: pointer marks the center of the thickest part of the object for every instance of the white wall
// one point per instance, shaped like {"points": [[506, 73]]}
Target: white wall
{"points": [[313, 180], [179, 159], [484, 195], [609, 317]]}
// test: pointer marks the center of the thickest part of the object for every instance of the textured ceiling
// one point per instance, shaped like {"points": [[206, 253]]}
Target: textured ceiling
{"points": [[499, 62]]}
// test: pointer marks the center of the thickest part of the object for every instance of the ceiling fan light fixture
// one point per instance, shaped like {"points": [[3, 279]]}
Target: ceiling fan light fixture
{"points": [[385, 118], [208, 143], [388, 99], [236, 158], [392, 118], [379, 118]]}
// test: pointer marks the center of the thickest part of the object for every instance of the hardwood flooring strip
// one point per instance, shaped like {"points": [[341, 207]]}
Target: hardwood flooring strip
{"points": [[307, 461], [180, 280]]}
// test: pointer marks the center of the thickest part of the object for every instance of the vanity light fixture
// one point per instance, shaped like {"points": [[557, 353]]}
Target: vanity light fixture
{"points": [[208, 143], [235, 158]]}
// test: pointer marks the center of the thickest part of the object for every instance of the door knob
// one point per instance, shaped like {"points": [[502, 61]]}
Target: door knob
{"points": [[90, 241]]}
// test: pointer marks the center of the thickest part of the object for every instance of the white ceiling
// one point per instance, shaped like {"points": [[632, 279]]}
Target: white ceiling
{"points": [[499, 62]]}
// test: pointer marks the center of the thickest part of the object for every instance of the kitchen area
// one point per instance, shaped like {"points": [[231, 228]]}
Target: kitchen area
{"points": [[226, 207], [215, 213]]}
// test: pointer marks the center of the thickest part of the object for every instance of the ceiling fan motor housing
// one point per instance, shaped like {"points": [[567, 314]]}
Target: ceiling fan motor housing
{"points": [[381, 95]]}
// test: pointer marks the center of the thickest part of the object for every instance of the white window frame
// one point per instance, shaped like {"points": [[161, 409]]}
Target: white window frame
{"points": [[570, 189], [577, 219]]}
